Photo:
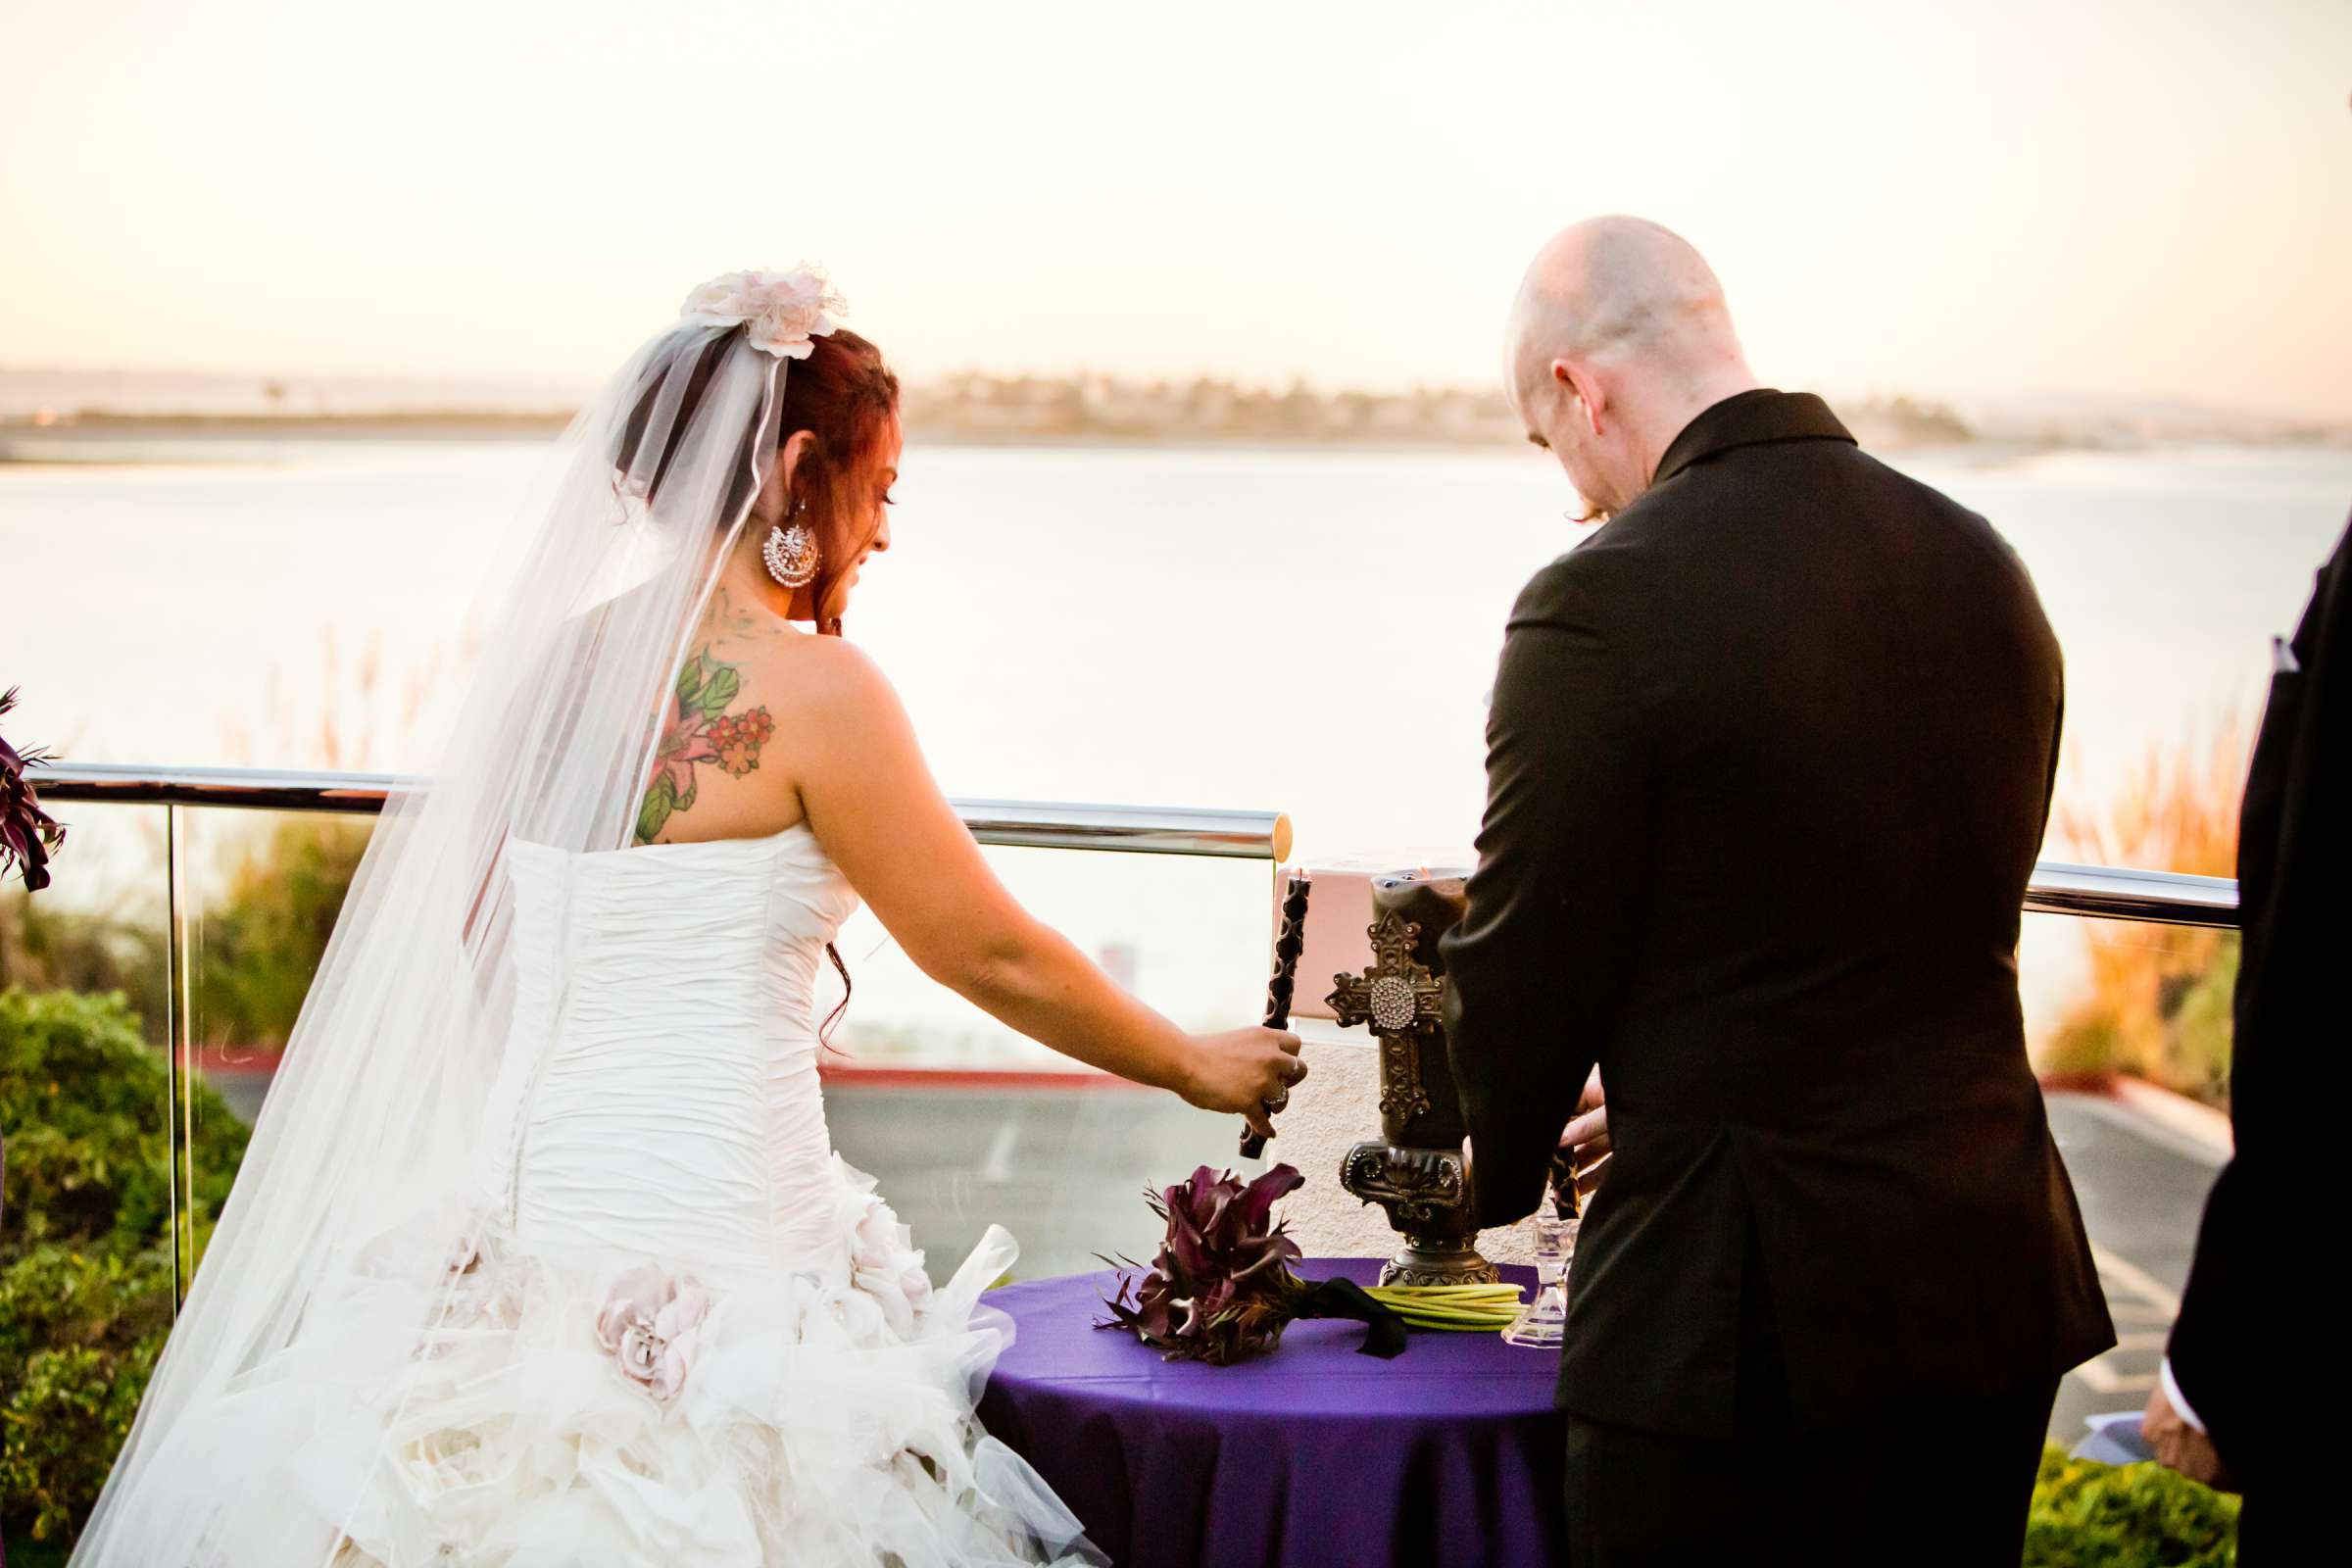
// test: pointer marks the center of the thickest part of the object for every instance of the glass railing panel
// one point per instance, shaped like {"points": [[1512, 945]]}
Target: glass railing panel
{"points": [[1187, 935], [2114, 1007], [966, 1124], [87, 1261], [258, 895]]}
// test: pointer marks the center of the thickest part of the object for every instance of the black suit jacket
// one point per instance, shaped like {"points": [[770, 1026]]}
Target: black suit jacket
{"points": [[2246, 1372], [1769, 762]]}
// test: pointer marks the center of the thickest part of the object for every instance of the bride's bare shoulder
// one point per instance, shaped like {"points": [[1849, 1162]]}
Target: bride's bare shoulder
{"points": [[828, 680], [821, 672]]}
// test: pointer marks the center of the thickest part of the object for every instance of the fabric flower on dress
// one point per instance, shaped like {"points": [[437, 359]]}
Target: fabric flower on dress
{"points": [[648, 1322], [780, 312], [481, 1287], [884, 1264]]}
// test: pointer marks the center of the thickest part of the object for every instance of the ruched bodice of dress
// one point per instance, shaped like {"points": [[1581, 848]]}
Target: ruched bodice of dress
{"points": [[659, 1095]]}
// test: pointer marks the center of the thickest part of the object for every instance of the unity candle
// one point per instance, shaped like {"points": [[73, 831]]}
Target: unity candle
{"points": [[1338, 938]]}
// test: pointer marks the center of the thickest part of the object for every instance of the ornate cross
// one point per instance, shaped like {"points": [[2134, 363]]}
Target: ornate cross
{"points": [[1399, 999]]}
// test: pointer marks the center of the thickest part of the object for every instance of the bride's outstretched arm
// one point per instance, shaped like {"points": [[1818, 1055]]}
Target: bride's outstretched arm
{"points": [[876, 807]]}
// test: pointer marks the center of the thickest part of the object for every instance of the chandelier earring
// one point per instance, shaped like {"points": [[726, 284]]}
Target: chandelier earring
{"points": [[790, 554]]}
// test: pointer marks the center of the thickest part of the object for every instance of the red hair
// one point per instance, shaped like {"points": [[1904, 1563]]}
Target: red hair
{"points": [[844, 397]]}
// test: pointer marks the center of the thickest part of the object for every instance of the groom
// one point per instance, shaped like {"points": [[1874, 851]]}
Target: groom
{"points": [[1769, 762]]}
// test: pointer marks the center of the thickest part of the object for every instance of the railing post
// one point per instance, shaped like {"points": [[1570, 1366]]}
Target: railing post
{"points": [[177, 1195]]}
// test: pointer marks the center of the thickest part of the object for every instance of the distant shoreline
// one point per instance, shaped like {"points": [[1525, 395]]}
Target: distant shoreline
{"points": [[98, 440], [69, 417], [103, 439], [432, 423]]}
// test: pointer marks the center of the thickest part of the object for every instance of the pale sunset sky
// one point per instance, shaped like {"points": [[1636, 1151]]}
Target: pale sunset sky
{"points": [[2006, 198]]}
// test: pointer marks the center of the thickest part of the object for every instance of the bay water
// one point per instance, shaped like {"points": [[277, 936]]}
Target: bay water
{"points": [[1310, 630]]}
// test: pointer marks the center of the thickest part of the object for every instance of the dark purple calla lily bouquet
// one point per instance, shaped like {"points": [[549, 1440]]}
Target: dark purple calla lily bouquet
{"points": [[29, 835], [1220, 1289]]}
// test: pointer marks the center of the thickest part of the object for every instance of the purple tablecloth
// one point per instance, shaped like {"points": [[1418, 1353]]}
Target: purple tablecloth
{"points": [[1449, 1454]]}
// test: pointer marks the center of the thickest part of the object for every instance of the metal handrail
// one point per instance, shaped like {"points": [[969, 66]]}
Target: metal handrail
{"points": [[1028, 824], [2113, 893], [2095, 892]]}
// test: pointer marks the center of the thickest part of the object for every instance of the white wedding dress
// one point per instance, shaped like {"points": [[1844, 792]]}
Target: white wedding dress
{"points": [[679, 1328]]}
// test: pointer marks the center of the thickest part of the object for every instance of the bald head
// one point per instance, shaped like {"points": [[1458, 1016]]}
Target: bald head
{"points": [[1622, 288], [1618, 339]]}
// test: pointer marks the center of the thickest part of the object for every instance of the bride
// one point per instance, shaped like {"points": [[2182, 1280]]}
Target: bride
{"points": [[541, 1254]]}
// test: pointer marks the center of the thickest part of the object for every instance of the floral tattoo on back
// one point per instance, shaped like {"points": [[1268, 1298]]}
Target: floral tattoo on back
{"points": [[700, 731]]}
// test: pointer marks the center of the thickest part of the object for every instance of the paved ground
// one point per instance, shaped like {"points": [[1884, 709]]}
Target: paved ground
{"points": [[2142, 1189], [1065, 1170]]}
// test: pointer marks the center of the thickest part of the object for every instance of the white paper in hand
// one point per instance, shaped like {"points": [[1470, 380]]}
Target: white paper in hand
{"points": [[2114, 1440]]}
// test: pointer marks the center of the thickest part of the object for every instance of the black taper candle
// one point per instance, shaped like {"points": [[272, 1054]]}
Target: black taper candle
{"points": [[1566, 1203], [1288, 942]]}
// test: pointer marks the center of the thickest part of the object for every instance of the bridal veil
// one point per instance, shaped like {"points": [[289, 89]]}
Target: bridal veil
{"points": [[359, 1166]]}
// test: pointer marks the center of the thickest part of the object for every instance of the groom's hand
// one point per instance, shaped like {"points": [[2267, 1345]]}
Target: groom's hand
{"points": [[2182, 1446], [1586, 1137]]}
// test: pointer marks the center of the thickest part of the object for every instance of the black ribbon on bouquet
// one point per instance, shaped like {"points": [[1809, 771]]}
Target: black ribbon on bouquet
{"points": [[1384, 1334]]}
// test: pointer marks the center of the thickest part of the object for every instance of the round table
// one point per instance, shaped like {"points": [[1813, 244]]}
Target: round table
{"points": [[1449, 1454]]}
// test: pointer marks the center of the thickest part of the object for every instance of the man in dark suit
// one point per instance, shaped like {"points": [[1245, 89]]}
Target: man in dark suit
{"points": [[2234, 1406], [1770, 758]]}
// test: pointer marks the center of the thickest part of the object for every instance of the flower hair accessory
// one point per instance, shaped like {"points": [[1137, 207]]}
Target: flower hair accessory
{"points": [[780, 312]]}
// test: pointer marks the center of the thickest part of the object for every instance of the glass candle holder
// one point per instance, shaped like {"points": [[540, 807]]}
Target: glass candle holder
{"points": [[1543, 1322]]}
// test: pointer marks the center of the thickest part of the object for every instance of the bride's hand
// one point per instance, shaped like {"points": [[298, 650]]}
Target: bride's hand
{"points": [[1240, 1070]]}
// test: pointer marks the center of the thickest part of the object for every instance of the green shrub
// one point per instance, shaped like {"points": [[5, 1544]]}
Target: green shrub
{"points": [[65, 1416], [86, 1259], [46, 947], [55, 1299], [83, 1104], [266, 932], [2089, 1515]]}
